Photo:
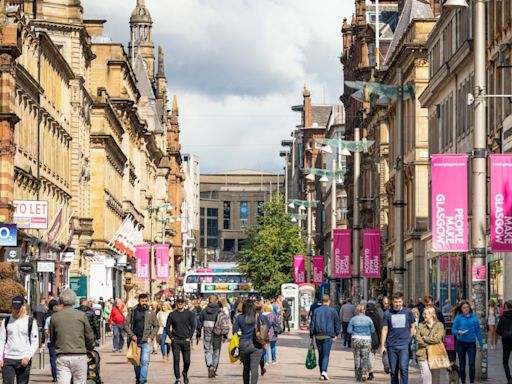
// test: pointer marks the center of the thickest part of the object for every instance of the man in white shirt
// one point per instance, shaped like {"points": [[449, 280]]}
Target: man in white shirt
{"points": [[19, 341]]}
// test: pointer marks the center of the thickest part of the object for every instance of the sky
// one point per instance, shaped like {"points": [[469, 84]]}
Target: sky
{"points": [[237, 67]]}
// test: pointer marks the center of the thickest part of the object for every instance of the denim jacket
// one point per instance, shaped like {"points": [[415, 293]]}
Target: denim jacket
{"points": [[325, 322], [361, 325]]}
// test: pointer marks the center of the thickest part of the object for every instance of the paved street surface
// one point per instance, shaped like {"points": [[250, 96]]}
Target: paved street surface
{"points": [[290, 367]]}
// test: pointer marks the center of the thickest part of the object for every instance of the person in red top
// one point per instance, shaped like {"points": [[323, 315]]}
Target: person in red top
{"points": [[116, 323]]}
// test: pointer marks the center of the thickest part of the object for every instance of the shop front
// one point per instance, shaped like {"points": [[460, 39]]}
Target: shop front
{"points": [[448, 277]]}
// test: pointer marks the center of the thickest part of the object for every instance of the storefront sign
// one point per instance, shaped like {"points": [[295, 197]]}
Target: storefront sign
{"points": [[371, 253], [318, 270], [31, 214], [46, 266], [162, 261], [67, 257], [501, 203], [341, 262], [299, 274], [26, 267], [8, 235], [78, 284], [479, 273], [13, 254], [450, 203], [121, 261], [142, 261]]}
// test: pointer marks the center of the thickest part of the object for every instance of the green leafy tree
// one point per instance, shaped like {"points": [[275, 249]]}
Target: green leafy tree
{"points": [[267, 253]]}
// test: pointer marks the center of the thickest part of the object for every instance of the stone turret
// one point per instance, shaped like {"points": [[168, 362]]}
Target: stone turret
{"points": [[141, 37]]}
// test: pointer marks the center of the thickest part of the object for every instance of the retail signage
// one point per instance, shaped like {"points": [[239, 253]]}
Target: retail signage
{"points": [[371, 253], [126, 237], [31, 214], [67, 257], [142, 261], [162, 261], [55, 228], [26, 267], [479, 273], [8, 235], [46, 266], [78, 284], [121, 261], [13, 254], [318, 270], [299, 273], [342, 260], [450, 203], [226, 287], [501, 203]]}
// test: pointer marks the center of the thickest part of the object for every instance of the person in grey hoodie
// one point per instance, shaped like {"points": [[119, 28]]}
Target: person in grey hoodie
{"points": [[347, 312], [212, 343]]}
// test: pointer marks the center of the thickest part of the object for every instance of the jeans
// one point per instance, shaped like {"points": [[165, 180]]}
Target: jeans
{"points": [[250, 357], [347, 337], [507, 348], [13, 371], [72, 368], [165, 348], [141, 372], [429, 376], [462, 349], [399, 361], [361, 348], [117, 336], [53, 360], [271, 351], [212, 346], [183, 346], [324, 350]]}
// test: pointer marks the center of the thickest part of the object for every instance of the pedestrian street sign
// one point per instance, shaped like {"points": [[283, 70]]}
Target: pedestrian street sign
{"points": [[78, 284]]}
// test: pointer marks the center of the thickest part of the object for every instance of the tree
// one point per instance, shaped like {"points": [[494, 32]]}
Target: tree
{"points": [[267, 253]]}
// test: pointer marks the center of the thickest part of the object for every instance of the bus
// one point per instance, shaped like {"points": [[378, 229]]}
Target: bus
{"points": [[204, 283]]}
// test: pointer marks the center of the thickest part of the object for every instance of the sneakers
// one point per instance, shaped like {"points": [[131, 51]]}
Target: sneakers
{"points": [[324, 376], [211, 372], [263, 371], [185, 378], [370, 376]]}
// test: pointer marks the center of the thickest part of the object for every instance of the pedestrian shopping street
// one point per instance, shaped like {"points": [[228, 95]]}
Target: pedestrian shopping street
{"points": [[291, 350]]}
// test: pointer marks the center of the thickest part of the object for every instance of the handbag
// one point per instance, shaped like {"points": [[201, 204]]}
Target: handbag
{"points": [[311, 357], [437, 357], [261, 333], [133, 354], [234, 348]]}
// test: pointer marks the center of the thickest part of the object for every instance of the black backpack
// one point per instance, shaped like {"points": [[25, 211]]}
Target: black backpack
{"points": [[30, 324]]}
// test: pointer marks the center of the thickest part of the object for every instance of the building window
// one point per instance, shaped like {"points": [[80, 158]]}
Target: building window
{"points": [[261, 208], [227, 215], [229, 245], [244, 214], [212, 227], [202, 227]]}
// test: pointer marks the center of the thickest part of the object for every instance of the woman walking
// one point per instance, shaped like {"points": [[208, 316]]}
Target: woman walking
{"points": [[106, 317], [466, 328], [361, 328], [430, 332], [165, 340], [251, 350], [504, 329], [492, 315], [372, 313], [275, 321]]}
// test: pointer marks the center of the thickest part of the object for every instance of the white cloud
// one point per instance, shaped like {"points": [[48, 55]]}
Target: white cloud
{"points": [[237, 66]]}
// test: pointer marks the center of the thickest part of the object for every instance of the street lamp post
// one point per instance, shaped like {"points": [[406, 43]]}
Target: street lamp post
{"points": [[356, 228]]}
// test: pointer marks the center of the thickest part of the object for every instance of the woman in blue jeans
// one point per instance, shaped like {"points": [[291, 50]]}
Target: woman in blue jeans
{"points": [[467, 331], [275, 320]]}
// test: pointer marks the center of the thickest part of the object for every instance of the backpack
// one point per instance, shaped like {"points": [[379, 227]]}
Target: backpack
{"points": [[30, 324], [222, 324], [276, 325], [261, 332]]}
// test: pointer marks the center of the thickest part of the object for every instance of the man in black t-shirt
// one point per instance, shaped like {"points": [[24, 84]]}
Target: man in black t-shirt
{"points": [[181, 324]]}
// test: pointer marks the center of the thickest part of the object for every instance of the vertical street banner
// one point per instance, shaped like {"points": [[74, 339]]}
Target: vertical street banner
{"points": [[371, 253], [299, 272], [342, 249], [450, 203], [501, 202], [142, 261], [318, 270], [162, 261]]}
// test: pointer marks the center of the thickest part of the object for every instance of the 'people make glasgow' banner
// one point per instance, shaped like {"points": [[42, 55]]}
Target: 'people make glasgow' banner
{"points": [[342, 260], [501, 202], [162, 261], [450, 203], [142, 261], [299, 273], [371, 253], [318, 270]]}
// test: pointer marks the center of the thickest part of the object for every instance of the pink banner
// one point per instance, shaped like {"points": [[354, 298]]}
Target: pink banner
{"points": [[342, 260], [318, 270], [299, 273], [142, 261], [162, 261], [501, 203], [371, 253], [479, 273], [450, 203]]}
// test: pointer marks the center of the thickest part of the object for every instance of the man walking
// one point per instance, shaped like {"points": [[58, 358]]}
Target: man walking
{"points": [[287, 313], [91, 317], [71, 336], [181, 325], [325, 325], [347, 312], [212, 342], [429, 303], [116, 322], [141, 326], [397, 331], [19, 341]]}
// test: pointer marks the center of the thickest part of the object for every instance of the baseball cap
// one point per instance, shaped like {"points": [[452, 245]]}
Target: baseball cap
{"points": [[17, 302], [180, 298]]}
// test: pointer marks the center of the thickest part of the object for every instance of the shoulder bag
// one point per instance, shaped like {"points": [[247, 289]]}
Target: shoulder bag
{"points": [[437, 356]]}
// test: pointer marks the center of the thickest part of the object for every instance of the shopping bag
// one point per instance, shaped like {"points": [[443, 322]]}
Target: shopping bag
{"points": [[311, 357], [449, 342], [234, 348], [133, 354], [437, 357]]}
